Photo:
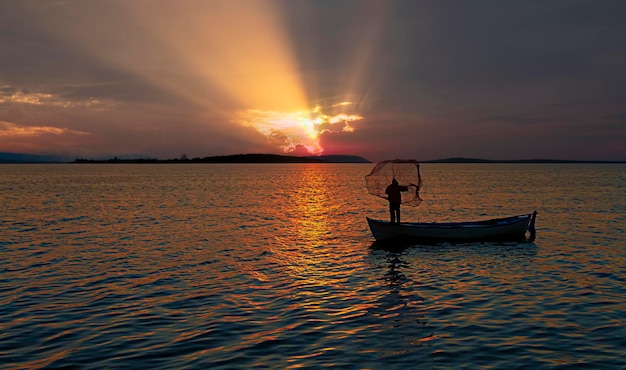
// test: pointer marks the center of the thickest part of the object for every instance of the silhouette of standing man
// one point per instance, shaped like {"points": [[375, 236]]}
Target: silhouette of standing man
{"points": [[395, 198]]}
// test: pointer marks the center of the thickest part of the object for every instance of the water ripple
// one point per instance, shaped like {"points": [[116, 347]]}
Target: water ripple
{"points": [[180, 276]]}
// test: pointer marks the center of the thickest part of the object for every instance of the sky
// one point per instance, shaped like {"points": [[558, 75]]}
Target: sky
{"points": [[380, 79]]}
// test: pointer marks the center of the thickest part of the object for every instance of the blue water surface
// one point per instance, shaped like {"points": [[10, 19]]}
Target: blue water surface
{"points": [[272, 266]]}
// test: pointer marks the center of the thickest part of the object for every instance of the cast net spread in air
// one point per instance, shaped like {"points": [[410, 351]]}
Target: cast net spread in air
{"points": [[405, 171]]}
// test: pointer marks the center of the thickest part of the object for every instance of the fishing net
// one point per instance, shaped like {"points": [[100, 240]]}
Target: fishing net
{"points": [[405, 171]]}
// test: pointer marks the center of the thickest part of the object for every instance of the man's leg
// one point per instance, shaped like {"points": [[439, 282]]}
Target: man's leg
{"points": [[392, 213]]}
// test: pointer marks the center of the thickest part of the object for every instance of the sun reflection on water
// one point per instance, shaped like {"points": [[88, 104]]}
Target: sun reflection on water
{"points": [[307, 251], [158, 258]]}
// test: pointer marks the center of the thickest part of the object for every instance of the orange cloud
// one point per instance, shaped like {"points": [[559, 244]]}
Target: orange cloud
{"points": [[293, 130], [8, 129]]}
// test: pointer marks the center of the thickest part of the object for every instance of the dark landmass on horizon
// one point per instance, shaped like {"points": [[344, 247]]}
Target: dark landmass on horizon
{"points": [[478, 160], [240, 158], [18, 158], [31, 158]]}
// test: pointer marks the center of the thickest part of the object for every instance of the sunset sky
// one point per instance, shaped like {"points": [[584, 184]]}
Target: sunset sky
{"points": [[380, 79]]}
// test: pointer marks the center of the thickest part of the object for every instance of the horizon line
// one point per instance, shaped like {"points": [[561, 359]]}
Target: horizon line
{"points": [[18, 158]]}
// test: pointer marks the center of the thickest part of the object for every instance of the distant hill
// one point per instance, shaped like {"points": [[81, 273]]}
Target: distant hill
{"points": [[342, 158], [6, 157], [478, 160], [31, 158], [240, 158], [256, 158], [275, 158]]}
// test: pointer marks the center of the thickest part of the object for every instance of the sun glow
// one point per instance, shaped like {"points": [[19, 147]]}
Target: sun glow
{"points": [[301, 129], [221, 57]]}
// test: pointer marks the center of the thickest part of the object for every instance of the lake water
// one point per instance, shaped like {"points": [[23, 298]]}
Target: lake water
{"points": [[273, 266]]}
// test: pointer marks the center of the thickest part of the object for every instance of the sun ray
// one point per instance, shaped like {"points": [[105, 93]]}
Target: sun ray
{"points": [[222, 56]]}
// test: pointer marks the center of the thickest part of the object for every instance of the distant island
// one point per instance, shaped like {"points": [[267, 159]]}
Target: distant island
{"points": [[258, 158], [478, 160], [275, 158], [240, 158]]}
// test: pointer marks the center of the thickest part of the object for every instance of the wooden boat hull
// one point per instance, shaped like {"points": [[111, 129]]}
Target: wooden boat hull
{"points": [[506, 228]]}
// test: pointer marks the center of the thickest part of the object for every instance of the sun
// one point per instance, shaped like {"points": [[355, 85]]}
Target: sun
{"points": [[300, 129]]}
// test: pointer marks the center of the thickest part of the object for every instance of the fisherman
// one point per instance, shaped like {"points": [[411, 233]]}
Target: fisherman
{"points": [[395, 198]]}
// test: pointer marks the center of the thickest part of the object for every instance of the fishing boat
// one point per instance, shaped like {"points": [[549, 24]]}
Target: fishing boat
{"points": [[505, 228], [400, 181]]}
